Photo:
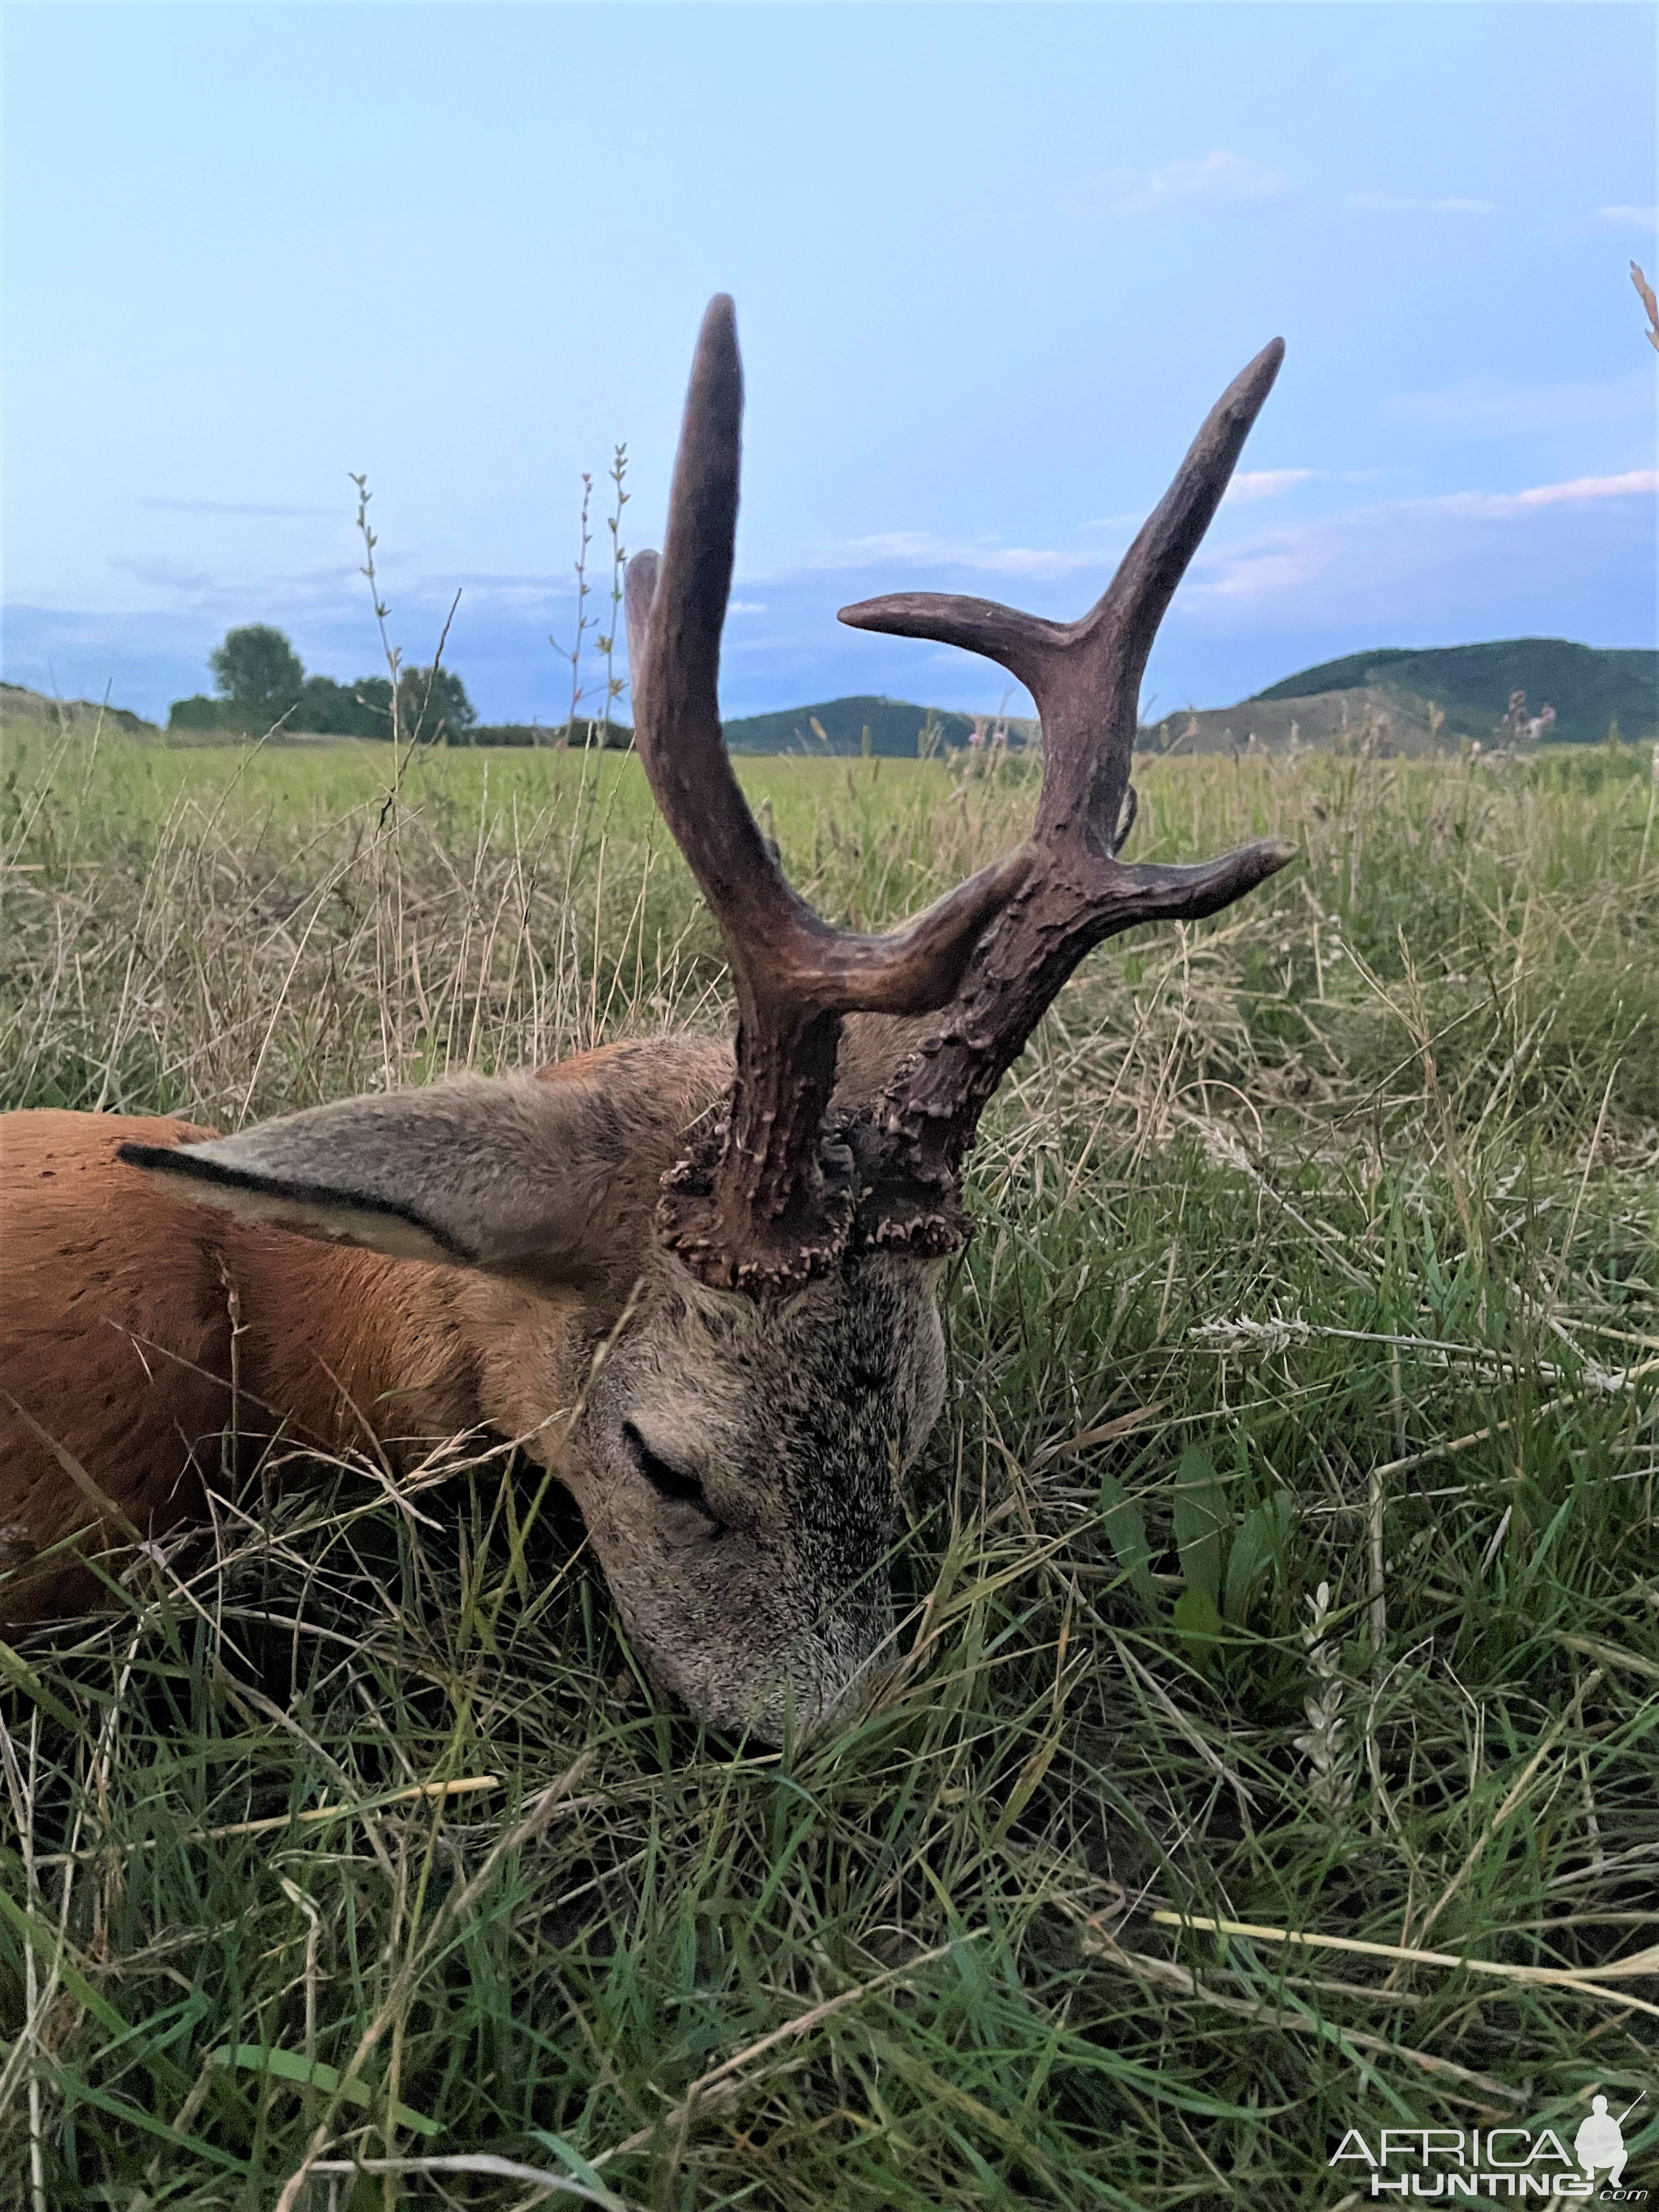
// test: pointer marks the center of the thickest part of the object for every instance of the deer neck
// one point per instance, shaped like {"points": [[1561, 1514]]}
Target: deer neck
{"points": [[345, 1349]]}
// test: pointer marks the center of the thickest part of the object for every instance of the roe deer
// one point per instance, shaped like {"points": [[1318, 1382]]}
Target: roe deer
{"points": [[696, 1280]]}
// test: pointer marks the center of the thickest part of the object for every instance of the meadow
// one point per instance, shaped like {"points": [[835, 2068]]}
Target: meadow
{"points": [[1273, 1748]]}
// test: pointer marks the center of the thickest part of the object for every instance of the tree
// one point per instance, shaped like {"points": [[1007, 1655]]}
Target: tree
{"points": [[433, 708], [199, 713], [258, 671], [328, 709], [371, 697], [323, 704]]}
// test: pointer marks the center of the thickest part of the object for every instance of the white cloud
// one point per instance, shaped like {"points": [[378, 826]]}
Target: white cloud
{"points": [[1643, 218], [745, 606], [162, 573], [1392, 203], [1488, 408], [1220, 180], [1495, 505], [913, 549], [1397, 554], [227, 594], [1251, 484], [1633, 481], [1251, 569]]}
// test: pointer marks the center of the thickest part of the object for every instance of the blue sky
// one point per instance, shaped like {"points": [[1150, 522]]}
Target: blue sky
{"points": [[992, 265]]}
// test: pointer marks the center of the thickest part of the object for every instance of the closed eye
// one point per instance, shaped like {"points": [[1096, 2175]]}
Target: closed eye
{"points": [[678, 1483]]}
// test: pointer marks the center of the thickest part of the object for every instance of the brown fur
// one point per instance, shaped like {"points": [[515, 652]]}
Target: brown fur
{"points": [[119, 1297], [116, 1333], [114, 1342], [132, 1295]]}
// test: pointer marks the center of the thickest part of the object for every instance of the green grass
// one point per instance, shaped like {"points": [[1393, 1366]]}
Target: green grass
{"points": [[1317, 1250]]}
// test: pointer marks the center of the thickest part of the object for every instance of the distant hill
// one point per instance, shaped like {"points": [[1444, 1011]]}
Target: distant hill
{"points": [[1468, 686], [838, 727], [1385, 696], [16, 700], [1390, 722], [1588, 686]]}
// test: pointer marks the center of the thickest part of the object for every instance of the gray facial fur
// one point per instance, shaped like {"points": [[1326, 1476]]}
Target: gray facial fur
{"points": [[769, 1597]]}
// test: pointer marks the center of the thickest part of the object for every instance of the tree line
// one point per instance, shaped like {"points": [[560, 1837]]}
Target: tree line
{"points": [[260, 683]]}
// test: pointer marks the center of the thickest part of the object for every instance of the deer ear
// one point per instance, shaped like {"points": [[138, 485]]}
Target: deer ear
{"points": [[507, 1173]]}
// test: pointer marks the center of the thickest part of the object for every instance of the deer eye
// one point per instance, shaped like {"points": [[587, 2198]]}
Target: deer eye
{"points": [[668, 1480]]}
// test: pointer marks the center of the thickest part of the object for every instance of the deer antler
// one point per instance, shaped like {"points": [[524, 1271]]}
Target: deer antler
{"points": [[774, 1207], [1085, 678]]}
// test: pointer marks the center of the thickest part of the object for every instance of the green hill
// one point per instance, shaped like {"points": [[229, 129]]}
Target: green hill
{"points": [[838, 727], [1588, 686], [18, 702]]}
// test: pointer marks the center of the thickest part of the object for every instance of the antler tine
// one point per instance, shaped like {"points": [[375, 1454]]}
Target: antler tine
{"points": [[763, 1219], [1085, 678], [1085, 675], [676, 612]]}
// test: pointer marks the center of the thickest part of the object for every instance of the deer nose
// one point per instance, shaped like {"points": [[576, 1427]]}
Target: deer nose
{"points": [[814, 1694], [857, 1695], [847, 1686]]}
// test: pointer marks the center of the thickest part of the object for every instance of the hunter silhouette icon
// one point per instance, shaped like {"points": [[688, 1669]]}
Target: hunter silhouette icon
{"points": [[1601, 2141]]}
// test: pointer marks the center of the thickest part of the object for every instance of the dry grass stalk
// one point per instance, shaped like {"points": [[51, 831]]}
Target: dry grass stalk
{"points": [[1224, 1122], [1588, 1980]]}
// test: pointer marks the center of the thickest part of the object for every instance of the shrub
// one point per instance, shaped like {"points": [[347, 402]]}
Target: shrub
{"points": [[201, 714]]}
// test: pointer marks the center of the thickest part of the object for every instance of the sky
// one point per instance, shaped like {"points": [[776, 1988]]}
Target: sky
{"points": [[993, 263]]}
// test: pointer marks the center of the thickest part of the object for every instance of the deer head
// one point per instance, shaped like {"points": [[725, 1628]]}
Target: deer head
{"points": [[703, 1283]]}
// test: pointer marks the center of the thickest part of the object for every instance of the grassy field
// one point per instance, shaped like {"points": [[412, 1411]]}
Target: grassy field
{"points": [[1288, 1556]]}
